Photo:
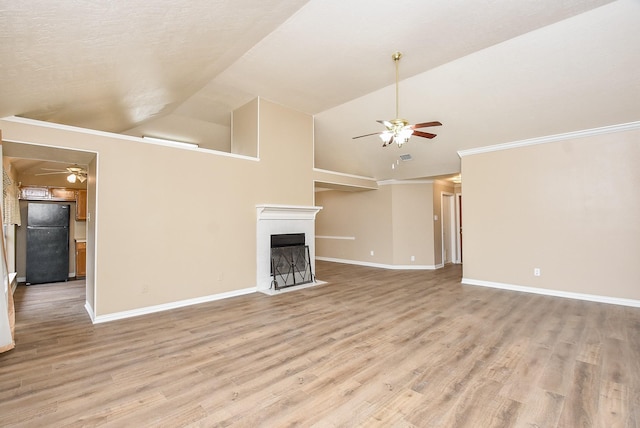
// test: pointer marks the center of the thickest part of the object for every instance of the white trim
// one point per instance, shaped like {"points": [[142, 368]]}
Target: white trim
{"points": [[89, 310], [172, 143], [342, 174], [350, 238], [342, 185], [131, 138], [274, 292], [394, 181], [168, 306], [458, 196], [452, 226], [552, 138], [555, 293], [13, 282], [380, 265], [93, 222], [258, 128], [286, 212]]}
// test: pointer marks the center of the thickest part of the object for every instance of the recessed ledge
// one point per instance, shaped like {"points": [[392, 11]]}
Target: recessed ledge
{"points": [[286, 212]]}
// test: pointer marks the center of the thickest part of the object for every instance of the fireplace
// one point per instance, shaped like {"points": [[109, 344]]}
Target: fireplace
{"points": [[293, 225], [290, 261]]}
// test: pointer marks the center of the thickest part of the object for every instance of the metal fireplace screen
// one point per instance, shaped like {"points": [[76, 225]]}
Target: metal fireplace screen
{"points": [[290, 265]]}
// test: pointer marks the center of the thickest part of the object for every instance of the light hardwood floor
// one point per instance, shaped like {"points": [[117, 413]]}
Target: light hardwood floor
{"points": [[370, 348]]}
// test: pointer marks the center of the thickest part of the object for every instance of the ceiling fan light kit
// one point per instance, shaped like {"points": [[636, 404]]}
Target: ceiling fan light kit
{"points": [[75, 173], [399, 130]]}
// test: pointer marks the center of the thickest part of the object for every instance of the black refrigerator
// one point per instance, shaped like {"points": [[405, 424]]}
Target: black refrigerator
{"points": [[47, 243]]}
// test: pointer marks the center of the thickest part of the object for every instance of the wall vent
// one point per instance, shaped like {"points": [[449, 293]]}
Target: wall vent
{"points": [[406, 157]]}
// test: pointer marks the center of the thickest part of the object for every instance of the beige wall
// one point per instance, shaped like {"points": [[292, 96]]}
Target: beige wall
{"points": [[364, 216], [245, 130], [286, 156], [570, 208], [395, 221], [412, 208], [170, 224]]}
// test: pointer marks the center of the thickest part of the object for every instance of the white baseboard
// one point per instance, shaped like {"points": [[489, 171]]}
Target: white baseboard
{"points": [[167, 306], [380, 265], [89, 310], [12, 281], [555, 293]]}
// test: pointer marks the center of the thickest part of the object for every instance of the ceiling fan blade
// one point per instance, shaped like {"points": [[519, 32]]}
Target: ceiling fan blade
{"points": [[425, 124], [52, 173], [423, 134], [386, 123], [366, 135]]}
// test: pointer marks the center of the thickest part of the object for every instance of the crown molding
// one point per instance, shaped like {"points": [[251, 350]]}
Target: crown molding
{"points": [[552, 138]]}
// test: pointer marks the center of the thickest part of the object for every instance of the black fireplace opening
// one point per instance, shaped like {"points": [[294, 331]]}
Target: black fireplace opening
{"points": [[290, 260], [287, 240]]}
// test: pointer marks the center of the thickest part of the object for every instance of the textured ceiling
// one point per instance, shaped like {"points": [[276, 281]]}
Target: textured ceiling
{"points": [[491, 70]]}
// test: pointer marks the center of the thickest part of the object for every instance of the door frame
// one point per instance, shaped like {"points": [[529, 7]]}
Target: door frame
{"points": [[450, 201], [458, 197]]}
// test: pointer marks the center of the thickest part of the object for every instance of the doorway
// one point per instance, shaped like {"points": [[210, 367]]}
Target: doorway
{"points": [[459, 227], [448, 214], [41, 161]]}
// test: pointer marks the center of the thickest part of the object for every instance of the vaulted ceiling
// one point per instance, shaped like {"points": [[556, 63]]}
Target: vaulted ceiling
{"points": [[491, 71]]}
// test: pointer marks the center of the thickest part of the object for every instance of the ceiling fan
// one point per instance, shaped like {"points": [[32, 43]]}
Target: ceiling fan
{"points": [[399, 130], [75, 173]]}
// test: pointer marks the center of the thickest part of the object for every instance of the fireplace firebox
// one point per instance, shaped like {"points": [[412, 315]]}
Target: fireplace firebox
{"points": [[290, 261]]}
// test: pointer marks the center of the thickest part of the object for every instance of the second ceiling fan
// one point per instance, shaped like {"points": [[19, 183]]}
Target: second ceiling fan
{"points": [[399, 130], [74, 173]]}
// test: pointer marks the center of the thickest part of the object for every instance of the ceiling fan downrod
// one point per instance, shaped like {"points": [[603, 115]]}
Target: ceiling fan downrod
{"points": [[396, 58]]}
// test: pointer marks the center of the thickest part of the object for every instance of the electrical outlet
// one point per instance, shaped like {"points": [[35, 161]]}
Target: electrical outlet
{"points": [[372, 252], [536, 272], [413, 258]]}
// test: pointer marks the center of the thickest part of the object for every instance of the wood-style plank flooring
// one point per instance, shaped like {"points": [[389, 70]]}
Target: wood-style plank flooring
{"points": [[371, 347]]}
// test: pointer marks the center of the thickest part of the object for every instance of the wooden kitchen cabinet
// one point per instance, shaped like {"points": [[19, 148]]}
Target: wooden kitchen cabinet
{"points": [[81, 259], [81, 205], [34, 193], [46, 193], [62, 194]]}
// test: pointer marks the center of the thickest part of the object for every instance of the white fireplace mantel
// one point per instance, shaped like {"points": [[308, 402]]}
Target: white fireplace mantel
{"points": [[286, 212], [278, 219]]}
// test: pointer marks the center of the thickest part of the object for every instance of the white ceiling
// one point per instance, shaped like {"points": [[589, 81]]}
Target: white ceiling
{"points": [[492, 71]]}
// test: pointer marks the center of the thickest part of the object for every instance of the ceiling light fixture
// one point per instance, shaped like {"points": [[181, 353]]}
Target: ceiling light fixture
{"points": [[171, 142], [399, 130], [77, 174]]}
